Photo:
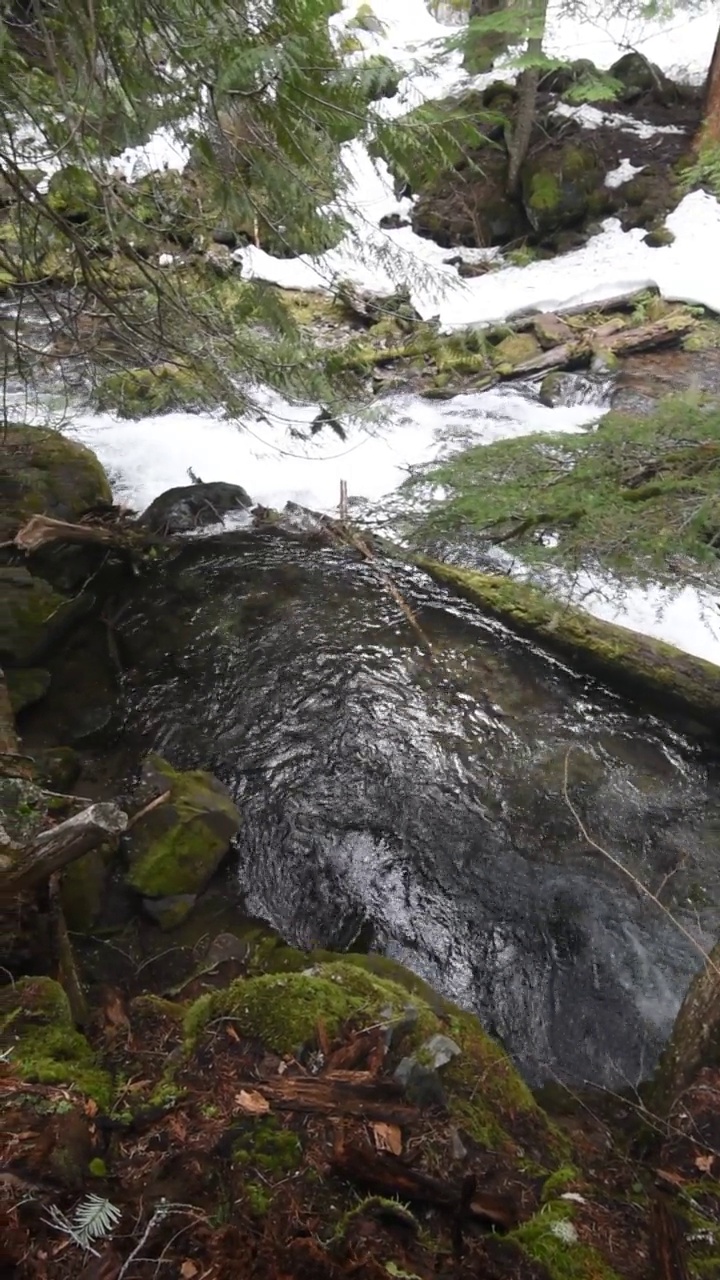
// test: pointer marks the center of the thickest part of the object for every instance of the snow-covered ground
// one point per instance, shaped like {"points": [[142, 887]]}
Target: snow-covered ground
{"points": [[265, 455]]}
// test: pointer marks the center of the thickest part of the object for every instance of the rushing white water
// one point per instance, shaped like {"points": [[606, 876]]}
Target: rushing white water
{"points": [[264, 452]]}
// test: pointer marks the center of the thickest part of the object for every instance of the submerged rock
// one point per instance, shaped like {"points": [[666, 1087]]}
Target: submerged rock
{"points": [[192, 506], [175, 849]]}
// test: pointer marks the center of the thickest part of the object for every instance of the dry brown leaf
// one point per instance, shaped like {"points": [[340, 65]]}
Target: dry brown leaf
{"points": [[90, 1107], [388, 1137], [188, 1269], [704, 1163], [252, 1102], [231, 1033]]}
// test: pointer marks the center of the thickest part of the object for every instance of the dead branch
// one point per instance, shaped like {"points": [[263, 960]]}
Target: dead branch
{"points": [[63, 844], [41, 530], [645, 337], [389, 1176], [152, 804]]}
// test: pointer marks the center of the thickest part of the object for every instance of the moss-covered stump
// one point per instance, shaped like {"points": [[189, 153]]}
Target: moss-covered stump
{"points": [[37, 1032], [649, 670], [42, 472], [175, 849]]}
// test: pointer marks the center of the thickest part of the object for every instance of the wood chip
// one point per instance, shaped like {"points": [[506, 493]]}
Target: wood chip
{"points": [[251, 1102], [388, 1137], [188, 1269], [704, 1163]]}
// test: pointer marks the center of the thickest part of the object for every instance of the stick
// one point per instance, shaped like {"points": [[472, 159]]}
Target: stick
{"points": [[153, 804], [63, 844]]}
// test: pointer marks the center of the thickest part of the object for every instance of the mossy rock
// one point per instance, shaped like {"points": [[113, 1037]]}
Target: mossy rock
{"points": [[26, 687], [637, 77], [44, 473], [365, 19], [24, 809], [138, 393], [33, 616], [283, 1011], [561, 186], [515, 350], [381, 78], [36, 1027], [75, 194], [176, 848]]}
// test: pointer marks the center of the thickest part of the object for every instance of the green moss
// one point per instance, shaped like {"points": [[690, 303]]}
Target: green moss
{"points": [[516, 349], [36, 1025], [178, 846], [74, 193], [267, 1147], [559, 1181], [485, 1094], [42, 472], [565, 1259], [544, 192], [283, 1010], [258, 1197], [97, 1168]]}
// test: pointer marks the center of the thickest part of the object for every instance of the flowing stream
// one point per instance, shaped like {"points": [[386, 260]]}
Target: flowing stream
{"points": [[422, 802]]}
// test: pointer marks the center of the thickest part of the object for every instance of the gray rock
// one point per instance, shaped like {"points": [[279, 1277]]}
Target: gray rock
{"points": [[419, 1073], [192, 506], [171, 911]]}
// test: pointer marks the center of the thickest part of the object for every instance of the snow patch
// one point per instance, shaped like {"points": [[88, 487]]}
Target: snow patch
{"points": [[624, 172]]}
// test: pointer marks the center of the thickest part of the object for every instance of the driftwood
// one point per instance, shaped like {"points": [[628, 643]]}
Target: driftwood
{"points": [[646, 337], [63, 844], [389, 1176], [41, 530]]}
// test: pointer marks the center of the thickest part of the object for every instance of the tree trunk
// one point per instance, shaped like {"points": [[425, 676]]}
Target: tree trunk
{"points": [[709, 131], [66, 842], [519, 142], [695, 1039]]}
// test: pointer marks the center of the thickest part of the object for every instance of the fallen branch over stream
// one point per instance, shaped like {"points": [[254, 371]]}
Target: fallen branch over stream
{"points": [[646, 669]]}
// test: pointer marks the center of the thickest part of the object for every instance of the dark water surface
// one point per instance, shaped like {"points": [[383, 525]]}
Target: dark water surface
{"points": [[423, 802]]}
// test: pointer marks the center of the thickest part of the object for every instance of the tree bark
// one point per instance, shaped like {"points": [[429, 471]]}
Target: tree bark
{"points": [[695, 1039], [709, 132], [66, 842], [519, 141]]}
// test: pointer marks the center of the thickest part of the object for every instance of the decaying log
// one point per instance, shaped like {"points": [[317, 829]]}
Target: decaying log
{"points": [[645, 337], [352, 1093], [525, 317], [41, 530], [55, 849], [389, 1176]]}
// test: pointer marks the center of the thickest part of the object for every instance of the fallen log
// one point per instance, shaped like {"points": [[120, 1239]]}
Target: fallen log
{"points": [[352, 1093], [54, 849], [38, 531], [389, 1176], [525, 317], [645, 337], [648, 670]]}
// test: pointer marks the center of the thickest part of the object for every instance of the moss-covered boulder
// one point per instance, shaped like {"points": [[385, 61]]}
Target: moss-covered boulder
{"points": [[176, 848], [42, 472], [562, 185], [75, 194], [514, 350], [37, 1032], [637, 76], [33, 616], [482, 1089], [83, 887]]}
